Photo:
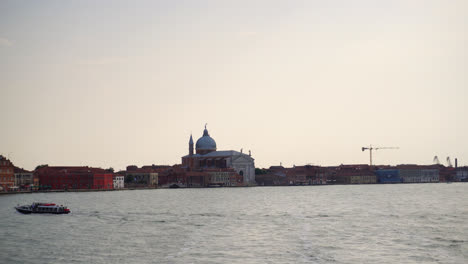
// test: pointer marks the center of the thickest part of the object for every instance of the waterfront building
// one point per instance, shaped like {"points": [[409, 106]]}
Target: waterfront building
{"points": [[271, 179], [141, 177], [67, 177], [223, 178], [119, 181], [418, 174], [354, 174], [23, 179], [330, 174], [446, 174], [7, 176], [196, 178], [296, 176], [461, 174], [35, 185], [388, 176], [274, 176], [173, 176], [181, 176], [306, 175], [321, 176], [208, 157], [363, 179]]}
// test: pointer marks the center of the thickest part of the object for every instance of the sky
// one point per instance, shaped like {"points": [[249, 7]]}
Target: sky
{"points": [[116, 83]]}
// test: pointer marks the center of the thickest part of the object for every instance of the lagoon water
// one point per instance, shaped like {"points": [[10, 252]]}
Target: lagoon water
{"points": [[404, 223]]}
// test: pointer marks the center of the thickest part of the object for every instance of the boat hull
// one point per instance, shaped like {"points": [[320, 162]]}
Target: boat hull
{"points": [[41, 210], [23, 210]]}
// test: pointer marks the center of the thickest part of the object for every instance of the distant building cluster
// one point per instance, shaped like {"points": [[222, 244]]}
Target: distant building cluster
{"points": [[205, 166], [13, 178], [359, 174]]}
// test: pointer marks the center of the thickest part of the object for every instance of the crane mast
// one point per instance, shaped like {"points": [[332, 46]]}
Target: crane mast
{"points": [[449, 163], [370, 148]]}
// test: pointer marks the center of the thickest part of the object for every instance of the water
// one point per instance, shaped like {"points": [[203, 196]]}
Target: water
{"points": [[405, 223]]}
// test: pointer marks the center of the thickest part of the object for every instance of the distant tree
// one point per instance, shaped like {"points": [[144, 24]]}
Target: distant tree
{"points": [[142, 181], [111, 170], [259, 171], [41, 166], [128, 179]]}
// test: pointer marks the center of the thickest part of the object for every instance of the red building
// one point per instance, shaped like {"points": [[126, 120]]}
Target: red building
{"points": [[447, 174], [74, 178], [297, 175], [171, 176], [196, 178]]}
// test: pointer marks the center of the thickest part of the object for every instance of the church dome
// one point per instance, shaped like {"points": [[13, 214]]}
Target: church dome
{"points": [[205, 143]]}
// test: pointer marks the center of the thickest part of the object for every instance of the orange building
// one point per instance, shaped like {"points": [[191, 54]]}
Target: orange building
{"points": [[355, 174], [7, 174]]}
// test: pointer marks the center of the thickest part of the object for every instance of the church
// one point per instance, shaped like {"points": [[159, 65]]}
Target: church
{"points": [[208, 157]]}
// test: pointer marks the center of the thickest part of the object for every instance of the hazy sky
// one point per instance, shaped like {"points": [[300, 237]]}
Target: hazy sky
{"points": [[113, 83]]}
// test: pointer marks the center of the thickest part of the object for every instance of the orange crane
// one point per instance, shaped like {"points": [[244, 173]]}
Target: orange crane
{"points": [[370, 148]]}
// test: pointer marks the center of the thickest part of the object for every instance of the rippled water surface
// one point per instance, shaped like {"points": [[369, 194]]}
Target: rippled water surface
{"points": [[413, 223]]}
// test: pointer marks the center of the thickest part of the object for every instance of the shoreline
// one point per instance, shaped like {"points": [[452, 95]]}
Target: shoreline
{"points": [[147, 188], [78, 190]]}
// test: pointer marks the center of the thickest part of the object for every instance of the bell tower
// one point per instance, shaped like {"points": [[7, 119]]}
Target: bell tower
{"points": [[191, 145]]}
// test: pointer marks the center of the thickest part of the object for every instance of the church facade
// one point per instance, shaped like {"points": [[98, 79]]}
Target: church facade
{"points": [[207, 156]]}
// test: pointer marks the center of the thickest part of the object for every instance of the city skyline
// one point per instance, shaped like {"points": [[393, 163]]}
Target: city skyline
{"points": [[296, 82]]}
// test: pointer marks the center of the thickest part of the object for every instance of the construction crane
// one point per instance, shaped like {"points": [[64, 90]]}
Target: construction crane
{"points": [[449, 163], [370, 148]]}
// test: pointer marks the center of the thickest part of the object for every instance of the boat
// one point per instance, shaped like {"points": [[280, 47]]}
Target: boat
{"points": [[42, 208]]}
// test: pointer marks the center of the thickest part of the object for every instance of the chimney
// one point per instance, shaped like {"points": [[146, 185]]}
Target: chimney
{"points": [[456, 163]]}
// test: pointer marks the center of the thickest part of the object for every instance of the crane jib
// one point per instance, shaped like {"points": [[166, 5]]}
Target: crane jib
{"points": [[370, 148]]}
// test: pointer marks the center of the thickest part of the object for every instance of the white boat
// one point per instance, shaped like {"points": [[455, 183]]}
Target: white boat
{"points": [[42, 208]]}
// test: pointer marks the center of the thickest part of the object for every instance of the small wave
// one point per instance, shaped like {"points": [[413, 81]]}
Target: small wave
{"points": [[208, 214], [453, 241], [197, 225], [149, 213], [317, 216]]}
